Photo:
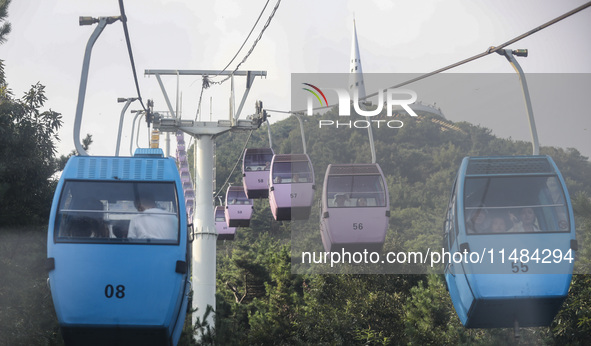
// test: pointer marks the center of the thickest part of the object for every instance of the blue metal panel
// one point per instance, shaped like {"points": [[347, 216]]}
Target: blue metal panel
{"points": [[120, 168], [493, 294], [119, 286]]}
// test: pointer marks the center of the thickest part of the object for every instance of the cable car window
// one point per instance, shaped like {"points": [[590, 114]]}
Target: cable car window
{"points": [[257, 162], [450, 228], [237, 197], [356, 191], [515, 204], [130, 212], [292, 172]]}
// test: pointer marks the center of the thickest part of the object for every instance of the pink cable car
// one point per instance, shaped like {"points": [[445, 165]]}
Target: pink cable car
{"points": [[238, 207], [224, 231], [291, 188], [355, 207], [256, 164]]}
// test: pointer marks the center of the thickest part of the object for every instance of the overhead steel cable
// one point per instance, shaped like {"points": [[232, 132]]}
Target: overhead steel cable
{"points": [[126, 31], [490, 50], [235, 165], [254, 44], [246, 39], [206, 82]]}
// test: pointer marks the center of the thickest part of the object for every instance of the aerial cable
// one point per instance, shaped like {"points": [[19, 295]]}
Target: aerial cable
{"points": [[235, 165], [124, 21], [246, 39], [254, 44], [490, 50]]}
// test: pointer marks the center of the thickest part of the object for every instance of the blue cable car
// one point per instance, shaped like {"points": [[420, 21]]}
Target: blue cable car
{"points": [[515, 214], [118, 250]]}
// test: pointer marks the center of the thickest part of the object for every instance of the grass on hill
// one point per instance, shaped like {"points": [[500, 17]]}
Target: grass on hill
{"points": [[27, 316]]}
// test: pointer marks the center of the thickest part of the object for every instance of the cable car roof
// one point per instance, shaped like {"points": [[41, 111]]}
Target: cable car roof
{"points": [[290, 157], [509, 165], [148, 152], [354, 169], [257, 151], [148, 164]]}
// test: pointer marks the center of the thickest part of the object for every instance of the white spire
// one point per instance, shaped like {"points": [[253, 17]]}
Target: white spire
{"points": [[356, 82], [355, 70]]}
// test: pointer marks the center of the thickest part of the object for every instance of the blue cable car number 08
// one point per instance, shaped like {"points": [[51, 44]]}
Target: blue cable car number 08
{"points": [[118, 291]]}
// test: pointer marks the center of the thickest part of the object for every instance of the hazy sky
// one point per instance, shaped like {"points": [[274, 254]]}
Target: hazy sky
{"points": [[47, 45]]}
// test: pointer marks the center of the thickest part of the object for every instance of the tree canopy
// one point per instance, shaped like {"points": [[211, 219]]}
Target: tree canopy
{"points": [[261, 301], [27, 155]]}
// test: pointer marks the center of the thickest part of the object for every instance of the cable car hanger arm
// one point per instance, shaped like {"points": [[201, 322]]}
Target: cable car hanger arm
{"points": [[102, 22]]}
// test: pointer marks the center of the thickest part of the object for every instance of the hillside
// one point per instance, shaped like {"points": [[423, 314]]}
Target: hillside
{"points": [[264, 295], [263, 298]]}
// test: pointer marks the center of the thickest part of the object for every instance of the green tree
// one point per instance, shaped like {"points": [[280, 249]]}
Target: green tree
{"points": [[573, 323], [429, 315], [27, 163], [5, 26], [261, 302], [63, 159]]}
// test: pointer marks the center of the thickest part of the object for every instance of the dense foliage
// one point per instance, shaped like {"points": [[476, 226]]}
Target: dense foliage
{"points": [[261, 300], [27, 155]]}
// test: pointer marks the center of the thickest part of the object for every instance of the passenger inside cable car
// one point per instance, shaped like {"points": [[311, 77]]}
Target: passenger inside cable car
{"points": [[291, 172], [355, 210], [340, 201], [498, 224], [153, 222], [258, 160], [117, 211], [238, 197], [518, 206], [356, 191], [514, 205], [88, 224]]}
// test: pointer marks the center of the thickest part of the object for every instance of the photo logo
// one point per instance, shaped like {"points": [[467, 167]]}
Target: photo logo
{"points": [[345, 101], [318, 97]]}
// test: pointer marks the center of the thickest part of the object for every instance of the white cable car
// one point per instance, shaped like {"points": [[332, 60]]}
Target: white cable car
{"points": [[224, 231], [238, 207], [291, 187], [256, 164], [355, 207]]}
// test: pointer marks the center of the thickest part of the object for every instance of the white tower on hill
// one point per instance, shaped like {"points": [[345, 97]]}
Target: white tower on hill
{"points": [[356, 72], [356, 81]]}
